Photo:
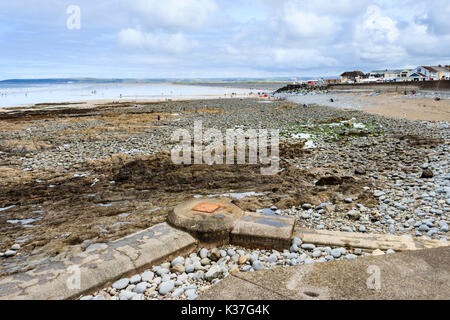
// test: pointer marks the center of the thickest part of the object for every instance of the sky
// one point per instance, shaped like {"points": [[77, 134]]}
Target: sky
{"points": [[218, 38]]}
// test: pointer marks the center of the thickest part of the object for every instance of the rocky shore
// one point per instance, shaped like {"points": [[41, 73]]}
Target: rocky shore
{"points": [[73, 177]]}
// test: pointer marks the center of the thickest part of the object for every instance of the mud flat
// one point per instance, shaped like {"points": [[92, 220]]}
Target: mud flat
{"points": [[78, 176]]}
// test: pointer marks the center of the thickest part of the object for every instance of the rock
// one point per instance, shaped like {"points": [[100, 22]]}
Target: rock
{"points": [[296, 241], [424, 228], [9, 253], [135, 279], [162, 271], [346, 229], [362, 229], [213, 273], [353, 215], [165, 265], [121, 284], [242, 259], [309, 261], [199, 275], [99, 298], [246, 268], [131, 287], [317, 253], [378, 252], [308, 246], [138, 297], [190, 268], [223, 253], [390, 251], [147, 276], [177, 293], [231, 252], [183, 277], [427, 174], [294, 248], [234, 269], [348, 200], [336, 253], [177, 260], [378, 194], [190, 294], [272, 258], [203, 253], [205, 262], [350, 256], [306, 206], [214, 254], [141, 287], [257, 265], [15, 247], [178, 268], [126, 295], [166, 287], [360, 171], [86, 298]]}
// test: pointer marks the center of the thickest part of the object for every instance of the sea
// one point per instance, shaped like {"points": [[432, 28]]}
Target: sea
{"points": [[29, 92]]}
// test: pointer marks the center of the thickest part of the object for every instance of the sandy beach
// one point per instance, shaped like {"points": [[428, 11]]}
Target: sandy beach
{"points": [[387, 104]]}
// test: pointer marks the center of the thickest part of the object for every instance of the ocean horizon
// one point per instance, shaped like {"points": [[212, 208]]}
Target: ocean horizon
{"points": [[34, 91]]}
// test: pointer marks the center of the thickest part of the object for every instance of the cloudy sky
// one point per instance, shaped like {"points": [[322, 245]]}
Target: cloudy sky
{"points": [[219, 38]]}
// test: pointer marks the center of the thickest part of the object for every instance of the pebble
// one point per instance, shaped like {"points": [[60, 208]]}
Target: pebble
{"points": [[257, 265], [147, 276], [213, 273], [177, 260], [9, 253], [121, 284], [126, 295], [15, 247], [166, 287], [190, 268], [336, 253], [178, 292], [378, 252], [135, 279], [203, 253], [296, 241], [141, 287], [190, 294], [308, 246]]}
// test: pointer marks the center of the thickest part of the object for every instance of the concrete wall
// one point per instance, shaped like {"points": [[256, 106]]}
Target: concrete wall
{"points": [[442, 85]]}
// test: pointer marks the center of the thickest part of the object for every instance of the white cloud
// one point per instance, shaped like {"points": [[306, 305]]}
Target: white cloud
{"points": [[157, 42], [305, 58], [308, 24], [174, 14], [376, 37]]}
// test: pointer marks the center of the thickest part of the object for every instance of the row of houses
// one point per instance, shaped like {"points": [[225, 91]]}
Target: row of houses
{"points": [[421, 73]]}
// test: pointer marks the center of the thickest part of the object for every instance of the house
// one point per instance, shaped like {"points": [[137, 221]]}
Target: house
{"points": [[352, 76], [390, 75], [443, 72], [331, 81], [434, 72], [417, 76]]}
